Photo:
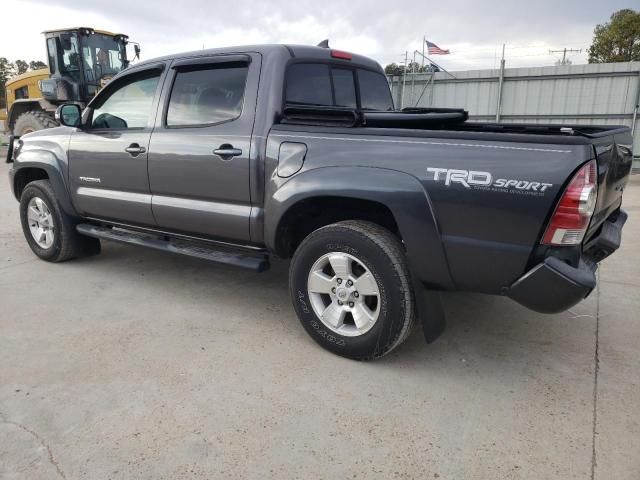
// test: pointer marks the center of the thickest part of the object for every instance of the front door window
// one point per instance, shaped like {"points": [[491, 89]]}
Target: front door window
{"points": [[129, 105]]}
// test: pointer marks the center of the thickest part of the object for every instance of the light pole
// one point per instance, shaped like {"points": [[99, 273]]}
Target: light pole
{"points": [[564, 54]]}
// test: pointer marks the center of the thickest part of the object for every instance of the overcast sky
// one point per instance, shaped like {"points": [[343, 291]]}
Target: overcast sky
{"points": [[474, 31]]}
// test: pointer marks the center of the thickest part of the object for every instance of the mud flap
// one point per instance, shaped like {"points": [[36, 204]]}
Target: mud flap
{"points": [[430, 312]]}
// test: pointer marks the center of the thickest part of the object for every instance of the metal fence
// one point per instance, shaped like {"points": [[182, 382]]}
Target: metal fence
{"points": [[595, 94]]}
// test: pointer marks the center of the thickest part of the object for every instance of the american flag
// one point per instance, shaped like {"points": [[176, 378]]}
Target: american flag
{"points": [[436, 50]]}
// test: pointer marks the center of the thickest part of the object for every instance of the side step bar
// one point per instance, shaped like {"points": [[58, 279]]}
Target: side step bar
{"points": [[255, 262]]}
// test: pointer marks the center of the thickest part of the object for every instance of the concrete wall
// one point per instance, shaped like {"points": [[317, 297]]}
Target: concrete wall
{"points": [[597, 94]]}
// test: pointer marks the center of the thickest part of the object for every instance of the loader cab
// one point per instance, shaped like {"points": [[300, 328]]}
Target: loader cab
{"points": [[81, 62]]}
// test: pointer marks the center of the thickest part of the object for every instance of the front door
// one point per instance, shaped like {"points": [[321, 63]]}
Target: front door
{"points": [[108, 158], [199, 150]]}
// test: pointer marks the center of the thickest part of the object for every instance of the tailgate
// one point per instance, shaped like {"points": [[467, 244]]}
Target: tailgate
{"points": [[614, 156]]}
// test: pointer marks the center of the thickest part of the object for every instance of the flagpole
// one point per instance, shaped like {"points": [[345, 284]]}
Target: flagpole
{"points": [[404, 78], [424, 41], [439, 66]]}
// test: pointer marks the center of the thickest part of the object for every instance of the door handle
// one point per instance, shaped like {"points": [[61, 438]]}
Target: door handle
{"points": [[227, 151], [134, 149]]}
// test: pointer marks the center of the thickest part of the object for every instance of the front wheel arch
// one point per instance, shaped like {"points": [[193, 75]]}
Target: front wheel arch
{"points": [[28, 171], [24, 176], [67, 242]]}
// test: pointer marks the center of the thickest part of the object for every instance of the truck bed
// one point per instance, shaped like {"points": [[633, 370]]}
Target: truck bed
{"points": [[478, 225], [436, 120]]}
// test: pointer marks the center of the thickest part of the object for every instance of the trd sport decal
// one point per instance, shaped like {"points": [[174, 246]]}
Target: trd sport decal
{"points": [[484, 181]]}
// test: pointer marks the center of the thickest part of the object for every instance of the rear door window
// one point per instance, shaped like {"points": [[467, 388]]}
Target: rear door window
{"points": [[207, 96]]}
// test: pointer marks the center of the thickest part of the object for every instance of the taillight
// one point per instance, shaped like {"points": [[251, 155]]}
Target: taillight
{"points": [[571, 219], [341, 55]]}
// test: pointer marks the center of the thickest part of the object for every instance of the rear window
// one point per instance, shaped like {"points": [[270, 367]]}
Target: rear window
{"points": [[374, 91], [326, 85], [345, 87]]}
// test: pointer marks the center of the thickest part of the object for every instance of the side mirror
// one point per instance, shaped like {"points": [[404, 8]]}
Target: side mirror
{"points": [[136, 49], [68, 115]]}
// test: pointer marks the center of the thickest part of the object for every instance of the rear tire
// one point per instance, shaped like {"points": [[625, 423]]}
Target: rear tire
{"points": [[49, 231], [33, 121], [350, 271]]}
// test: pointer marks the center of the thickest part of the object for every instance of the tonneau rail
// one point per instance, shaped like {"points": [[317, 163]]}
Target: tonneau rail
{"points": [[434, 119], [410, 118], [588, 131]]}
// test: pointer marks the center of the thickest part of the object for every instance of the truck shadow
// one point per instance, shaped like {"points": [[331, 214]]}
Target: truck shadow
{"points": [[483, 333]]}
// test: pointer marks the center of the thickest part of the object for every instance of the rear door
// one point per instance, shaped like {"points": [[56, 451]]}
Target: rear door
{"points": [[200, 149], [108, 159]]}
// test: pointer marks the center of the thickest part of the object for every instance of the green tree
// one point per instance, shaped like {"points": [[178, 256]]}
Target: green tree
{"points": [[413, 67], [617, 40], [394, 69], [21, 66], [6, 72], [37, 64], [417, 68]]}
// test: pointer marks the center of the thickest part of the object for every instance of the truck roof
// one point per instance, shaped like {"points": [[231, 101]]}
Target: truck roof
{"points": [[295, 51]]}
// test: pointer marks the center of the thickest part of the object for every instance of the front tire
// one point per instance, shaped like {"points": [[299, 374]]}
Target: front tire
{"points": [[351, 289], [49, 231]]}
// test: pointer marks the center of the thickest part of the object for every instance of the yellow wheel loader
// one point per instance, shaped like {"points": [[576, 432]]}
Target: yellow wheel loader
{"points": [[81, 61]]}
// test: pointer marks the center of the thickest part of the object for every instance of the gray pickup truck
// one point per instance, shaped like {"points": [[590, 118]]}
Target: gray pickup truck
{"points": [[236, 154]]}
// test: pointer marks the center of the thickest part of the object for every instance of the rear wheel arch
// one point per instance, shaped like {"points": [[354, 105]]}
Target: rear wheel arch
{"points": [[400, 194], [311, 213]]}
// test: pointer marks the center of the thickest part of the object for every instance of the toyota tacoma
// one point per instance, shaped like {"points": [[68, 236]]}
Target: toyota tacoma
{"points": [[238, 154]]}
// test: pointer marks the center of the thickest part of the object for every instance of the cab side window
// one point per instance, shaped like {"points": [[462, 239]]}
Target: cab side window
{"points": [[309, 84], [320, 84], [207, 95], [129, 105]]}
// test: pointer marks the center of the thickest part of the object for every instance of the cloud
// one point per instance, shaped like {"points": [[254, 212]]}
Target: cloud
{"points": [[474, 31]]}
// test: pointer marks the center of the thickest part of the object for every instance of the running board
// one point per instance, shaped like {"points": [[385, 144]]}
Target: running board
{"points": [[255, 262]]}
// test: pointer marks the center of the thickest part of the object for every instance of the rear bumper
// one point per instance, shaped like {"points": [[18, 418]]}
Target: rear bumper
{"points": [[553, 286]]}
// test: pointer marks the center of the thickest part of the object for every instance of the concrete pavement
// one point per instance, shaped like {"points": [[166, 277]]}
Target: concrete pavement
{"points": [[140, 364]]}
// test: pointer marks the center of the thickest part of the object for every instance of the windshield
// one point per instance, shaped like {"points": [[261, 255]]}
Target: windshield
{"points": [[103, 57]]}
